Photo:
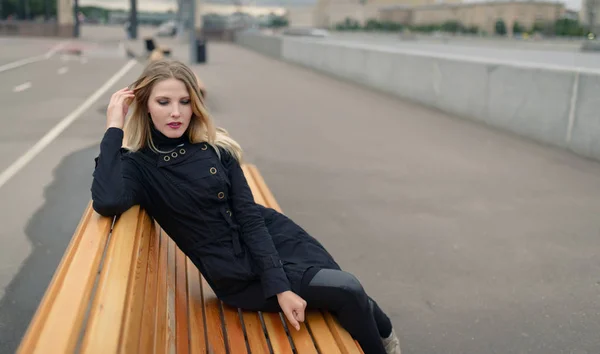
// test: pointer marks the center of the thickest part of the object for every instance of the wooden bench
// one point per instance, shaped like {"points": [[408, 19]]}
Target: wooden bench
{"points": [[123, 286]]}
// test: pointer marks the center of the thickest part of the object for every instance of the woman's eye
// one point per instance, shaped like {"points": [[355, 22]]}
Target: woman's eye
{"points": [[163, 103], [185, 102]]}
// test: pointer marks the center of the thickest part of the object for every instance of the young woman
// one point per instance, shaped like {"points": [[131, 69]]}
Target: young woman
{"points": [[186, 174]]}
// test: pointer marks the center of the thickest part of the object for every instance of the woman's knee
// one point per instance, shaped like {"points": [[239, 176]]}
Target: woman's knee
{"points": [[346, 285]]}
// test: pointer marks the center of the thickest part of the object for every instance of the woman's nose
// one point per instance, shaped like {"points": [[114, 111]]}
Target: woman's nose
{"points": [[175, 113]]}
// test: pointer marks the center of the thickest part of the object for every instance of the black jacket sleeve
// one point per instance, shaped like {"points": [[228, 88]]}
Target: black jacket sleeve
{"points": [[114, 188], [254, 231]]}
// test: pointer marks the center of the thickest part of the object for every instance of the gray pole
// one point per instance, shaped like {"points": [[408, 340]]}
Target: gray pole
{"points": [[192, 31], [133, 20], [76, 14]]}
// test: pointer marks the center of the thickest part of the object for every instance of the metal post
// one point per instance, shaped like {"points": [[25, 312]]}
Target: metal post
{"points": [[46, 10], [192, 31], [133, 23], [76, 15]]}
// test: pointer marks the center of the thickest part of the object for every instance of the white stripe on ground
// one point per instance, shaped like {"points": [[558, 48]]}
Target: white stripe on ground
{"points": [[22, 87], [19, 63], [60, 127]]}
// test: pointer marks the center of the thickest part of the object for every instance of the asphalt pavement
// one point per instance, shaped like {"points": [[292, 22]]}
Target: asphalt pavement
{"points": [[471, 239]]}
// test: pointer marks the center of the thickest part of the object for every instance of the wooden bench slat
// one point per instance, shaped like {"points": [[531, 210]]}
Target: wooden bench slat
{"points": [[343, 339], [171, 277], [59, 317], [321, 333], [235, 332], [108, 306], [256, 336], [129, 342], [279, 339], [302, 340], [181, 303], [197, 330], [256, 192], [160, 330], [149, 315], [260, 183], [212, 310]]}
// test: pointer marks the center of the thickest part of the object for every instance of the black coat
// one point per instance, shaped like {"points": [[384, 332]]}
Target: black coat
{"points": [[205, 205]]}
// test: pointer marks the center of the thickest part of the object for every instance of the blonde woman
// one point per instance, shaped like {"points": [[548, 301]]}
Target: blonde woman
{"points": [[186, 173]]}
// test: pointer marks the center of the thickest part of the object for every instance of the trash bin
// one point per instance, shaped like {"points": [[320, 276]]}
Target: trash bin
{"points": [[200, 51]]}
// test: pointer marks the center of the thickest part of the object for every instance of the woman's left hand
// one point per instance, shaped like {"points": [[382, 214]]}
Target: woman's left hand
{"points": [[293, 307]]}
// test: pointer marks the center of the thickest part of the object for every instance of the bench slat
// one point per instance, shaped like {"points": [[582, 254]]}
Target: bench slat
{"points": [[302, 340], [108, 307], [235, 332], [212, 310], [321, 333], [261, 185], [181, 303], [149, 315], [277, 335], [171, 277], [160, 331], [197, 330], [343, 339], [256, 335], [61, 312], [129, 342]]}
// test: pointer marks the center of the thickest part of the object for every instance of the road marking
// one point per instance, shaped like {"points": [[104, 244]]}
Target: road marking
{"points": [[22, 87], [55, 49], [62, 70], [62, 125], [48, 55]]}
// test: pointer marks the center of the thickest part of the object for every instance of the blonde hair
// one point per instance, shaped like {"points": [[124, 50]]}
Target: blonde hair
{"points": [[201, 129]]}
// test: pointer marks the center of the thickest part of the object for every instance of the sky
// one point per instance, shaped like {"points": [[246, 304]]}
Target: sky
{"points": [[164, 5]]}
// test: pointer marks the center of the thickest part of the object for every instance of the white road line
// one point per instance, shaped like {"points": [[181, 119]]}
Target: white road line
{"points": [[22, 87], [55, 49], [62, 125], [18, 63], [62, 70]]}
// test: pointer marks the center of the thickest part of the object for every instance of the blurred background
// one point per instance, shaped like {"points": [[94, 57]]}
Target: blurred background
{"points": [[445, 152]]}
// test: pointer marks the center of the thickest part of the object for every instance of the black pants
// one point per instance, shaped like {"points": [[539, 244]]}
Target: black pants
{"points": [[335, 291]]}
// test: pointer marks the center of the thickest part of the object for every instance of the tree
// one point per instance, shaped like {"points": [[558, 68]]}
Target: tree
{"points": [[452, 27], [500, 27], [517, 28], [27, 9], [568, 27]]}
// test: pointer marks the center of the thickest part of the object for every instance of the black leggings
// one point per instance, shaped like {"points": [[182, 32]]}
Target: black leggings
{"points": [[335, 291], [343, 295]]}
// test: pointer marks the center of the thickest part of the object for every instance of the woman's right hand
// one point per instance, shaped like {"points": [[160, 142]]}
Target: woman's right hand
{"points": [[118, 107]]}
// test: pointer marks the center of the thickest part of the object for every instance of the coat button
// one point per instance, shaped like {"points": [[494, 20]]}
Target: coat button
{"points": [[204, 146], [181, 151], [167, 158], [213, 170], [221, 195], [174, 154]]}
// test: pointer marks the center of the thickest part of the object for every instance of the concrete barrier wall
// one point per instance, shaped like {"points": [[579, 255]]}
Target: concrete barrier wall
{"points": [[267, 45], [552, 105]]}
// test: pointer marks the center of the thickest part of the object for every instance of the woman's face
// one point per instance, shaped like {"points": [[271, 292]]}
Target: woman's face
{"points": [[170, 107]]}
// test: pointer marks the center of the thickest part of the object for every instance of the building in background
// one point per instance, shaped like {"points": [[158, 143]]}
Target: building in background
{"points": [[483, 15], [590, 14]]}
